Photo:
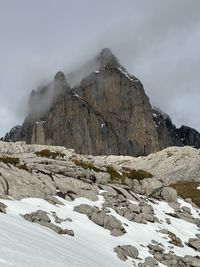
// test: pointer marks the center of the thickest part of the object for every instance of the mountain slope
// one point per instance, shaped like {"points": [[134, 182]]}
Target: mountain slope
{"points": [[59, 208]]}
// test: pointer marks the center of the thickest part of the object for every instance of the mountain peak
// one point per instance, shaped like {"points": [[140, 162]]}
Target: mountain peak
{"points": [[106, 57], [60, 76]]}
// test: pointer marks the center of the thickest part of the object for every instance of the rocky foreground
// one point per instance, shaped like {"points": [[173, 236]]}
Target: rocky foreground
{"points": [[104, 210]]}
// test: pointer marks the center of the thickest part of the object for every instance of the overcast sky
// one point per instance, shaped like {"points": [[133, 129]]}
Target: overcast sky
{"points": [[156, 40]]}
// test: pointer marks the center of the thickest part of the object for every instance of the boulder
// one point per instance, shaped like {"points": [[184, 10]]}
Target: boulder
{"points": [[194, 243], [84, 209], [134, 208], [151, 186], [149, 262], [169, 194], [41, 217], [125, 251], [37, 216]]}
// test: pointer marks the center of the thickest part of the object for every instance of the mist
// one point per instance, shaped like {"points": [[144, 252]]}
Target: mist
{"points": [[156, 41]]}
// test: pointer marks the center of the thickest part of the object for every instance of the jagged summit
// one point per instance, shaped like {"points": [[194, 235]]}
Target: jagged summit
{"points": [[106, 57], [60, 76]]}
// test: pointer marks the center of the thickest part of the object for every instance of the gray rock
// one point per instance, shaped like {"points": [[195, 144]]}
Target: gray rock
{"points": [[151, 186], [138, 218], [194, 243], [169, 194], [2, 207], [84, 209], [175, 240], [101, 218], [53, 200], [149, 262], [37, 216], [102, 178], [186, 209], [168, 221], [117, 232], [125, 251], [134, 208], [114, 225], [98, 217], [41, 217], [129, 215]]}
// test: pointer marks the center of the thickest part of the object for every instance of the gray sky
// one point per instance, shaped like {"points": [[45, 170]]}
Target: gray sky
{"points": [[156, 40]]}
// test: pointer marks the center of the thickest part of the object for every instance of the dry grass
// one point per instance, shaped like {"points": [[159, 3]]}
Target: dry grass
{"points": [[46, 153], [115, 176], [128, 173], [13, 161], [86, 165], [188, 190], [136, 174], [22, 167], [10, 160]]}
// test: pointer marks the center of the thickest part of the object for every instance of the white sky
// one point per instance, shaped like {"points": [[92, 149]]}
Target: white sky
{"points": [[157, 41]]}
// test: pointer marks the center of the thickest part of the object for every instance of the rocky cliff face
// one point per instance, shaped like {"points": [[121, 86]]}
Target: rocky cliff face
{"points": [[12, 135], [169, 135], [108, 112]]}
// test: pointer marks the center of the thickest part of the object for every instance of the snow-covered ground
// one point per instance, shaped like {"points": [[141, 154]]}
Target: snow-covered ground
{"points": [[24, 244]]}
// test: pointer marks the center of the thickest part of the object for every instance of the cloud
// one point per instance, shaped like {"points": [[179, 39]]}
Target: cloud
{"points": [[157, 41]]}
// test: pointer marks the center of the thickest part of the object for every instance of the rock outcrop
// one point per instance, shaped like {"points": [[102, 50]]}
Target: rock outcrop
{"points": [[123, 252], [105, 111], [12, 136], [169, 135], [42, 218]]}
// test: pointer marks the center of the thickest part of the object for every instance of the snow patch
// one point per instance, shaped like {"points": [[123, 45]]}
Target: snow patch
{"points": [[24, 244]]}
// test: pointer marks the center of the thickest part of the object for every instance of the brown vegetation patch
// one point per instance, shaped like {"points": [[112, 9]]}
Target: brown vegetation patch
{"points": [[115, 175], [13, 161], [86, 165], [46, 153], [127, 173], [9, 160], [188, 189]]}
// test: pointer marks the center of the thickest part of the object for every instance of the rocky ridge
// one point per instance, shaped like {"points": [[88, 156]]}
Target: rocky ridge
{"points": [[52, 185]]}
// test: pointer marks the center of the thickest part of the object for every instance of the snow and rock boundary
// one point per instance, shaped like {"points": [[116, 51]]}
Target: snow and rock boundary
{"points": [[111, 210]]}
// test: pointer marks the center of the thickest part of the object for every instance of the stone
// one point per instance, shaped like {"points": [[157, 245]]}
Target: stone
{"points": [[149, 262], [53, 200], [169, 194], [125, 251], [84, 209], [186, 209], [102, 178], [41, 217], [37, 216], [138, 218], [175, 240], [194, 243], [110, 223], [2, 207], [98, 217], [151, 186], [134, 208]]}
